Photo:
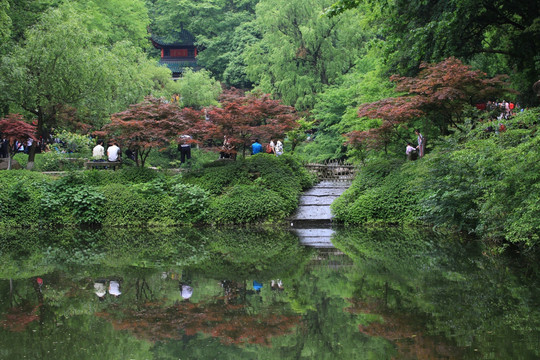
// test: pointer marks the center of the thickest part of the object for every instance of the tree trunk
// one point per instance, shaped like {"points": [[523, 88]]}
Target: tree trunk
{"points": [[31, 156], [32, 152]]}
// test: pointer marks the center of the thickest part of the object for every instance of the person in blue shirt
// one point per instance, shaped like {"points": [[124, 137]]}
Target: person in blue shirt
{"points": [[256, 147]]}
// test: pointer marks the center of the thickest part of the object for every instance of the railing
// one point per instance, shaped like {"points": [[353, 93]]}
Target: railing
{"points": [[333, 170]]}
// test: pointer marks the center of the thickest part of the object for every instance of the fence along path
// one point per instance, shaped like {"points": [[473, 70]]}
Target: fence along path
{"points": [[312, 220], [335, 171]]}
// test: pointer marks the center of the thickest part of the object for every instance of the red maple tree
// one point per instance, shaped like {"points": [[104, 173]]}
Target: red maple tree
{"points": [[242, 118], [144, 126], [13, 128], [439, 93]]}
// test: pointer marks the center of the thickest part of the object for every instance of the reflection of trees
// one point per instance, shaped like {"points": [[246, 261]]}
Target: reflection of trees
{"points": [[459, 293], [403, 330], [231, 323]]}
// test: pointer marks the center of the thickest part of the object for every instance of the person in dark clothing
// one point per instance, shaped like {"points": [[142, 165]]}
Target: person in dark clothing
{"points": [[4, 148], [185, 149]]}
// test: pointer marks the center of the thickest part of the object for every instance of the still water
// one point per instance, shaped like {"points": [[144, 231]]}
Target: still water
{"points": [[260, 294]]}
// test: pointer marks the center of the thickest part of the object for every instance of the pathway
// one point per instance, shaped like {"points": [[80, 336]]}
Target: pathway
{"points": [[312, 221]]}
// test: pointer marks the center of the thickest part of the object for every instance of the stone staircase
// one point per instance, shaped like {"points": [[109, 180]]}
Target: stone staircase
{"points": [[312, 221]]}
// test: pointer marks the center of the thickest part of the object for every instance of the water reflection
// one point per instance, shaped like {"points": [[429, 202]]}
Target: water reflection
{"points": [[258, 293]]}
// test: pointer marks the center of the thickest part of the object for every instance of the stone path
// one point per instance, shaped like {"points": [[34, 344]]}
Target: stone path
{"points": [[312, 221], [315, 203]]}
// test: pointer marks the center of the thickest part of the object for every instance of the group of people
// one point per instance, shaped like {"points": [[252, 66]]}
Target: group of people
{"points": [[113, 152], [501, 109], [414, 152], [24, 147], [271, 148], [101, 288]]}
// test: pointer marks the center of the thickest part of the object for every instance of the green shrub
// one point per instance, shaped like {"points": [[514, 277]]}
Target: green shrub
{"points": [[190, 204], [216, 178], [124, 206], [247, 204], [393, 198], [20, 195]]}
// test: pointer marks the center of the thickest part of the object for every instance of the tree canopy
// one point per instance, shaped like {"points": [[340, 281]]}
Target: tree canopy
{"points": [[242, 118], [144, 126]]}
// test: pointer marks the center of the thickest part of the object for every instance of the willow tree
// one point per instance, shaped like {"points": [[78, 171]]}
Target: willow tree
{"points": [[302, 52]]}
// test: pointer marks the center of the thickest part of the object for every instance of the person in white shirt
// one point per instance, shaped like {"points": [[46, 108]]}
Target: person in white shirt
{"points": [[99, 151], [100, 290], [411, 152], [279, 148], [114, 288], [113, 152]]}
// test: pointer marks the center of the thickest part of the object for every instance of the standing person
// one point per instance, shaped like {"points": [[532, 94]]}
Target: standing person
{"points": [[113, 152], [271, 147], [279, 148], [256, 147], [421, 143], [99, 151], [185, 148]]}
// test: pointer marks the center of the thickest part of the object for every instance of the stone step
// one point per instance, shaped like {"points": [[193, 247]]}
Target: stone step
{"points": [[327, 191], [324, 243], [317, 200], [313, 212], [314, 232]]}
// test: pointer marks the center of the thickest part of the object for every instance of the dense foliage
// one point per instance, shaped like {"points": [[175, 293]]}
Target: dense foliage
{"points": [[262, 188], [480, 182]]}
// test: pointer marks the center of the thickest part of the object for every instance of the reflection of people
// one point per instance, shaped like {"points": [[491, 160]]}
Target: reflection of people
{"points": [[276, 285], [100, 289], [114, 288], [113, 152], [257, 286], [99, 151]]}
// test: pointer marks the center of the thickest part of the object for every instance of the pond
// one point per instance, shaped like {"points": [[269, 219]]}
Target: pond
{"points": [[261, 294]]}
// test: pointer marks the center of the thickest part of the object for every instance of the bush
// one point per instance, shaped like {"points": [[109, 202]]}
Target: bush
{"points": [[380, 196], [261, 188], [247, 204], [190, 204], [20, 197]]}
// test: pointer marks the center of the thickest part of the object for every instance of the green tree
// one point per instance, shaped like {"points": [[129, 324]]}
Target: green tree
{"points": [[26, 13], [63, 65], [301, 53], [5, 20], [501, 34], [117, 19], [222, 29], [196, 89]]}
